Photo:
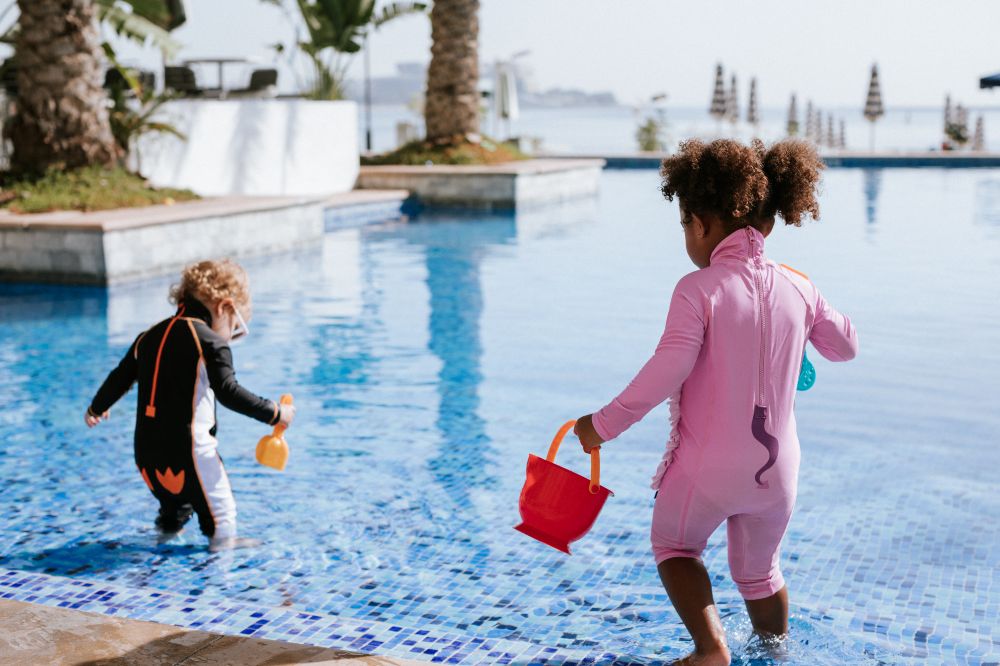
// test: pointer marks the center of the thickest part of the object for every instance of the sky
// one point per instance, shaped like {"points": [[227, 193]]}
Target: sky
{"points": [[822, 51]]}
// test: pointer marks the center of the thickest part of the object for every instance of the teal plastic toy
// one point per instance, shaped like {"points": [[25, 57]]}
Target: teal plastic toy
{"points": [[807, 374]]}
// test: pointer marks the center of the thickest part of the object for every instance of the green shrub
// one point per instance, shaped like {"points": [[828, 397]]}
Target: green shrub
{"points": [[90, 188]]}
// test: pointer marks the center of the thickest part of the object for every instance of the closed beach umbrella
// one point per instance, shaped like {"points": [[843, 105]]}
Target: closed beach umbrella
{"points": [[817, 136], [505, 96], [809, 120], [979, 138], [842, 143], [947, 111], [733, 109], [793, 118], [753, 117], [718, 108], [873, 103], [961, 121], [831, 139]]}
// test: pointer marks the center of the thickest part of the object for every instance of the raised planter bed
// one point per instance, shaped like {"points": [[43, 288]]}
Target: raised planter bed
{"points": [[107, 247], [512, 185]]}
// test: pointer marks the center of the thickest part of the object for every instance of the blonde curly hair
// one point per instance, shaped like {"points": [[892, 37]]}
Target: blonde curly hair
{"points": [[211, 281]]}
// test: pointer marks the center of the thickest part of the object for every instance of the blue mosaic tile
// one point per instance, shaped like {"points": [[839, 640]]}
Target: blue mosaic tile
{"points": [[429, 358]]}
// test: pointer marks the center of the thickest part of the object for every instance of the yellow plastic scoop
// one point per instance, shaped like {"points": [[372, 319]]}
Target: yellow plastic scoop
{"points": [[272, 450]]}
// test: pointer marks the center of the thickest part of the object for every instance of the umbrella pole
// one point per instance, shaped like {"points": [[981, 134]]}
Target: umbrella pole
{"points": [[368, 95]]}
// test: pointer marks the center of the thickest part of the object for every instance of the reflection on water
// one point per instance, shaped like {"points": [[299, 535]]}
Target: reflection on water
{"points": [[988, 202], [873, 183], [456, 303]]}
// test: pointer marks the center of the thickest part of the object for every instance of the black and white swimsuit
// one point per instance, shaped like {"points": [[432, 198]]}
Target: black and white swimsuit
{"points": [[181, 366]]}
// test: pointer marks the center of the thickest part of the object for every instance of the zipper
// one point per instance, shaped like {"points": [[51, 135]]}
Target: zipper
{"points": [[761, 317], [758, 423]]}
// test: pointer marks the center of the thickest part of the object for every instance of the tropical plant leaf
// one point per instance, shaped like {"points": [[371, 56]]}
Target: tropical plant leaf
{"points": [[165, 128], [10, 36], [340, 27], [131, 79], [10, 33], [167, 14], [136, 27], [396, 9]]}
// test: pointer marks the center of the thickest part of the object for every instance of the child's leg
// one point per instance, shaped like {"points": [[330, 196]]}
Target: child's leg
{"points": [[172, 516], [690, 591], [683, 519], [212, 498], [214, 503], [754, 554], [770, 614]]}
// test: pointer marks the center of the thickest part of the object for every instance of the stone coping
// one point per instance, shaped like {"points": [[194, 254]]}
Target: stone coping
{"points": [[147, 216], [512, 185], [37, 634], [520, 167]]}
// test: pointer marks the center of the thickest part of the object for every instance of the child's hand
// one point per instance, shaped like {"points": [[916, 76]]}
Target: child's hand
{"points": [[287, 415], [584, 429], [92, 419]]}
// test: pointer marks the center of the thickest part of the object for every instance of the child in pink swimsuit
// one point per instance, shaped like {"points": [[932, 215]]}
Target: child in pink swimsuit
{"points": [[729, 361]]}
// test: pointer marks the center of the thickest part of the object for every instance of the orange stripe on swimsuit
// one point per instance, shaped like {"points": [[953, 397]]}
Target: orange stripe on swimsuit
{"points": [[151, 407], [795, 271]]}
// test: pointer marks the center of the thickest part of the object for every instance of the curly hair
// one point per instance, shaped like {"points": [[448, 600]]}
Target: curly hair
{"points": [[213, 280], [744, 185]]}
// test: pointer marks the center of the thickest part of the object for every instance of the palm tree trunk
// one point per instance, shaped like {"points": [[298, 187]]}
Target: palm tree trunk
{"points": [[61, 117], [451, 108]]}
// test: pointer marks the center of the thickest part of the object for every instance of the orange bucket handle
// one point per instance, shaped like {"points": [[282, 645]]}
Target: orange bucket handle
{"points": [[595, 456], [279, 429]]}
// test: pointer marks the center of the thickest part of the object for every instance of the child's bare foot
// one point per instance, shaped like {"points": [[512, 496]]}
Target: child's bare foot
{"points": [[717, 657], [231, 543]]}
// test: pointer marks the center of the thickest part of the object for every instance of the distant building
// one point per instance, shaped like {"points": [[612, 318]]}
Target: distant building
{"points": [[556, 97], [410, 79]]}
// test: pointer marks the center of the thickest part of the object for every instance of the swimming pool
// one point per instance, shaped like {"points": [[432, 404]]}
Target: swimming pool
{"points": [[428, 359]]}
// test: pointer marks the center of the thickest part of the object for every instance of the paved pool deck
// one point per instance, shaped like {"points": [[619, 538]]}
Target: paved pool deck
{"points": [[37, 634]]}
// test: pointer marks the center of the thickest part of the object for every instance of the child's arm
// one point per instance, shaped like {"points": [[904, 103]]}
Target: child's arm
{"points": [[222, 378], [117, 384], [832, 334], [663, 374]]}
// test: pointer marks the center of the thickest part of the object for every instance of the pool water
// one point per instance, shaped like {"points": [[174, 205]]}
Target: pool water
{"points": [[427, 360]]}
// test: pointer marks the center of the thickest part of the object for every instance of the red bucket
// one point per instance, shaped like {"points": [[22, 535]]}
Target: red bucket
{"points": [[559, 506]]}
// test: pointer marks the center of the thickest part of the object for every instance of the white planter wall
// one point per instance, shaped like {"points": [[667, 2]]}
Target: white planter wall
{"points": [[260, 147]]}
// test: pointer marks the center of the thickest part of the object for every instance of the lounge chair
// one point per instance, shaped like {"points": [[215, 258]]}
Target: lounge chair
{"points": [[114, 80], [181, 80], [263, 83]]}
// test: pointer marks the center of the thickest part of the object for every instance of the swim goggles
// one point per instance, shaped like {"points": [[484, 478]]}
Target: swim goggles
{"points": [[242, 330]]}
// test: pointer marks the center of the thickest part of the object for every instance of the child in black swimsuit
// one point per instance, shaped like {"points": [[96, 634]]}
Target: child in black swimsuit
{"points": [[182, 365]]}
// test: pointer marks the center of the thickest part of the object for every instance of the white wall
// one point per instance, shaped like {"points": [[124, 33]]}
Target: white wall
{"points": [[255, 147]]}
